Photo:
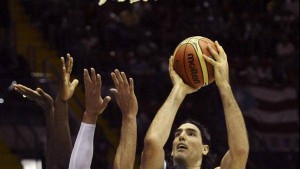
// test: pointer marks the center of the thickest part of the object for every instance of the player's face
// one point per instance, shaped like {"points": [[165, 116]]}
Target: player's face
{"points": [[187, 145]]}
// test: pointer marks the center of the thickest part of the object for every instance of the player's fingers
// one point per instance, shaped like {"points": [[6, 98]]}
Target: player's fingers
{"points": [[124, 78], [25, 90], [221, 50], [106, 101], [99, 82], [74, 83], [42, 93], [93, 75], [64, 73], [213, 52], [114, 91], [70, 63], [219, 47], [209, 59], [171, 63], [114, 78], [131, 83], [62, 60], [19, 90], [87, 79], [31, 94], [67, 62], [118, 76]]}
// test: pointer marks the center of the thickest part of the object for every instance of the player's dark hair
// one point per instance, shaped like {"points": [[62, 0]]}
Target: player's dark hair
{"points": [[209, 160]]}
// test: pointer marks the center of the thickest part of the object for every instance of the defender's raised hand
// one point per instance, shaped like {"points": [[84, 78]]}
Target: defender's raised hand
{"points": [[38, 95], [66, 87], [124, 93], [95, 104]]}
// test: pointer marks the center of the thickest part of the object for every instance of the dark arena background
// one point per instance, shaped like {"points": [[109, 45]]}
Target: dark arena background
{"points": [[260, 37]]}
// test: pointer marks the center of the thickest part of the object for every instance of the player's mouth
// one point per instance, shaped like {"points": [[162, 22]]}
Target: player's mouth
{"points": [[181, 146]]}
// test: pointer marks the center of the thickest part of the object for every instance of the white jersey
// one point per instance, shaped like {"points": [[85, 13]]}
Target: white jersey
{"points": [[82, 153]]}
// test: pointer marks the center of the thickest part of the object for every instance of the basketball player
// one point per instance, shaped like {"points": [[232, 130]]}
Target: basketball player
{"points": [[59, 145], [82, 153], [189, 146]]}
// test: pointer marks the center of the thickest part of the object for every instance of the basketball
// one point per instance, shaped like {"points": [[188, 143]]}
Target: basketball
{"points": [[189, 63]]}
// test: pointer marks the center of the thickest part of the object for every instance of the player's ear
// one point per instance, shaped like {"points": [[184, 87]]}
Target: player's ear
{"points": [[205, 149]]}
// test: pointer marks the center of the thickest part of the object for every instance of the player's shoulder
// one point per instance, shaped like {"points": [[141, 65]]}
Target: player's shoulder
{"points": [[218, 168]]}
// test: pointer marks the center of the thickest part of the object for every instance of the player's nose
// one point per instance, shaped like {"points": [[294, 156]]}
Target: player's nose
{"points": [[182, 136]]}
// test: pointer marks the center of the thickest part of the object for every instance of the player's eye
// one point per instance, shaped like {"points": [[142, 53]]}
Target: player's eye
{"points": [[177, 134], [191, 134]]}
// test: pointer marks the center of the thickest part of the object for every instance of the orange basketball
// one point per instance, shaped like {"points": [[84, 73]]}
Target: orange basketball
{"points": [[190, 64]]}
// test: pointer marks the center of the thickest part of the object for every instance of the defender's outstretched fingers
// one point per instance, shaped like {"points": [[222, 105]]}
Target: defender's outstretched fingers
{"points": [[124, 78], [30, 94], [93, 74], [114, 91], [22, 92], [63, 69], [99, 82], [131, 85], [118, 75], [70, 63], [87, 79], [106, 100], [114, 78], [41, 91], [62, 60], [75, 83]]}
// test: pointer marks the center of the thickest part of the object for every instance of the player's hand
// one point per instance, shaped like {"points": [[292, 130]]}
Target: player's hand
{"points": [[67, 88], [95, 104], [220, 64], [124, 93], [176, 79], [38, 95]]}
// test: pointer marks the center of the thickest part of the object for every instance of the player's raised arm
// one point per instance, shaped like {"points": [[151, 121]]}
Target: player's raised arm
{"points": [[63, 142], [236, 157], [46, 102], [160, 128], [82, 154], [127, 102]]}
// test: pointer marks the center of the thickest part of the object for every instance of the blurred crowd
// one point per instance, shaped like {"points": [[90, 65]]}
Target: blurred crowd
{"points": [[260, 37]]}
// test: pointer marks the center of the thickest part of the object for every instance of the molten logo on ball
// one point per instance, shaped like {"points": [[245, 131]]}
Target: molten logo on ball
{"points": [[193, 69]]}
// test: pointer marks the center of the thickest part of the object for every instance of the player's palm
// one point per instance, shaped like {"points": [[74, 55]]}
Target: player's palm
{"points": [[38, 95], [67, 88], [95, 104]]}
